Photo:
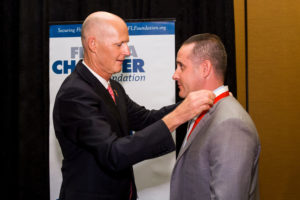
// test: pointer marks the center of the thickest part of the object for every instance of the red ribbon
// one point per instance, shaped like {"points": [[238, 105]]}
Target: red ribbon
{"points": [[218, 98]]}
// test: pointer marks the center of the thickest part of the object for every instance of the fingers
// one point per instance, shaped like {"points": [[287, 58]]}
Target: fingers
{"points": [[197, 102], [201, 97], [202, 94], [194, 104], [203, 108]]}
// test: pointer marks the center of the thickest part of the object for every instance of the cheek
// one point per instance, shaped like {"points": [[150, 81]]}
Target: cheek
{"points": [[189, 83], [107, 52], [115, 52], [185, 80]]}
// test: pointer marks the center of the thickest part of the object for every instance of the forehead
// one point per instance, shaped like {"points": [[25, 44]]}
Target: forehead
{"points": [[119, 32], [185, 51], [107, 29]]}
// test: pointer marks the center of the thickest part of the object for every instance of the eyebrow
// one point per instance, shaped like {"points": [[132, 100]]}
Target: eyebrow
{"points": [[179, 62]]}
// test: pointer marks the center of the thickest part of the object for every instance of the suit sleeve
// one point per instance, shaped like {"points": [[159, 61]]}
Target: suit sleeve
{"points": [[139, 117], [233, 152], [84, 122]]}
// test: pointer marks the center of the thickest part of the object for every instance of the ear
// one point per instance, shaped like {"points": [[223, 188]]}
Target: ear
{"points": [[206, 68], [92, 44]]}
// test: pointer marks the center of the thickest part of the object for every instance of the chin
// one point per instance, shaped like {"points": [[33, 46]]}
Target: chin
{"points": [[118, 69], [182, 95]]}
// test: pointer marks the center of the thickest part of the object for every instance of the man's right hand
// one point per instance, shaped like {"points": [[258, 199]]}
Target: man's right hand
{"points": [[194, 104]]}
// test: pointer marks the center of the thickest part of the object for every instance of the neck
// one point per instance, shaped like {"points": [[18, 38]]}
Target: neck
{"points": [[93, 66], [212, 85], [212, 81]]}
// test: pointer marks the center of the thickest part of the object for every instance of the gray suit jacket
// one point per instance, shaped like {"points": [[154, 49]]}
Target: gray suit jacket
{"points": [[220, 159]]}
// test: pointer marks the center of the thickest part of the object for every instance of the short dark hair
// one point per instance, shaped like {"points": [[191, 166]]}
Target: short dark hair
{"points": [[209, 47]]}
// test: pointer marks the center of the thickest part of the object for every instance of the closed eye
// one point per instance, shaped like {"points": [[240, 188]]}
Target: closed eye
{"points": [[180, 65], [119, 44]]}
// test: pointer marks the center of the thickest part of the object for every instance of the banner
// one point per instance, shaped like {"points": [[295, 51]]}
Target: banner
{"points": [[147, 78]]}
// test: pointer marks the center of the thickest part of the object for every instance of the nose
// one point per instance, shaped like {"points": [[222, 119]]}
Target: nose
{"points": [[126, 50], [175, 75]]}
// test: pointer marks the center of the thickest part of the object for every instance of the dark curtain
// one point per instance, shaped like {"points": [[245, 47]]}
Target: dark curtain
{"points": [[25, 89]]}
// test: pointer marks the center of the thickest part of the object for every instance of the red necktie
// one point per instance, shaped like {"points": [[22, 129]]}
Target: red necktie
{"points": [[111, 92], [221, 96]]}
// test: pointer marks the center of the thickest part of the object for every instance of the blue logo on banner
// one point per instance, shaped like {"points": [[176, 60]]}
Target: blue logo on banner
{"points": [[130, 67], [67, 66]]}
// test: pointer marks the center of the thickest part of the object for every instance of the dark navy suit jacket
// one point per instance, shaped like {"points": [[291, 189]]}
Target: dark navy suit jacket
{"points": [[94, 135]]}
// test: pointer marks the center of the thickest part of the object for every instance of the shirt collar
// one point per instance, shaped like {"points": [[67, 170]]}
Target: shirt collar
{"points": [[220, 90], [102, 80], [217, 92]]}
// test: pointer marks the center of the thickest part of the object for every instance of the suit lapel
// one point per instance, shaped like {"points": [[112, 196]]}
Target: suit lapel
{"points": [[121, 105], [197, 131], [98, 88]]}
